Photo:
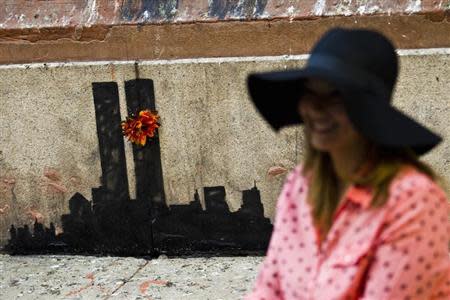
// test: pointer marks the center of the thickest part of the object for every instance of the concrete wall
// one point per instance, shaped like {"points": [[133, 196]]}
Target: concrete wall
{"points": [[210, 135]]}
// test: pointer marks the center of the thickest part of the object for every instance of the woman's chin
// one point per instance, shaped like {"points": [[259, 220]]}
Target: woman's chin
{"points": [[321, 148], [323, 143]]}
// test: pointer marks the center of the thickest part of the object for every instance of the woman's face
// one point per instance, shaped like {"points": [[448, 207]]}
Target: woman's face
{"points": [[326, 121]]}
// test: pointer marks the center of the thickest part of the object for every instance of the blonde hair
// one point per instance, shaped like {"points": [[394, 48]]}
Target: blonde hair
{"points": [[384, 166]]}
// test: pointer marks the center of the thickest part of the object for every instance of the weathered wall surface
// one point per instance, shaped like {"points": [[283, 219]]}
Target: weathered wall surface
{"points": [[210, 135], [61, 13], [90, 30]]}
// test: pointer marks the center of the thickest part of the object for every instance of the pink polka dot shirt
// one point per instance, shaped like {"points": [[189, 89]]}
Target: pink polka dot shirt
{"points": [[399, 251]]}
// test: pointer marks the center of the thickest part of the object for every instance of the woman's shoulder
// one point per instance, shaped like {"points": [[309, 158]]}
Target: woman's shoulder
{"points": [[296, 175], [294, 181], [294, 190], [296, 184], [409, 177], [410, 184]]}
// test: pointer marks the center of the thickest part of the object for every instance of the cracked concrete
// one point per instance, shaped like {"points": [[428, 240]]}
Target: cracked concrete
{"points": [[87, 277]]}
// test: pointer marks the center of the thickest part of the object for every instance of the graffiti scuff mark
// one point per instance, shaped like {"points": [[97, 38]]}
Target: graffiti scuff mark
{"points": [[143, 287], [75, 180], [91, 283], [52, 174], [7, 184], [276, 170], [4, 209], [35, 215], [9, 181], [57, 187], [53, 180]]}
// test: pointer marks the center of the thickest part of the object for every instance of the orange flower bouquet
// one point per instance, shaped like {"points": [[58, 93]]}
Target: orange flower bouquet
{"points": [[138, 128]]}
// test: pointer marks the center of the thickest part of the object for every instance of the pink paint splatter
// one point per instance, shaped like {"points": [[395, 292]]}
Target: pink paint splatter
{"points": [[7, 184], [57, 187], [52, 174], [276, 170], [35, 215], [91, 278], [4, 209], [144, 286]]}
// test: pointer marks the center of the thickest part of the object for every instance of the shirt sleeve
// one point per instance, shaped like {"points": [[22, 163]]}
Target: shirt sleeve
{"points": [[411, 260], [267, 285]]}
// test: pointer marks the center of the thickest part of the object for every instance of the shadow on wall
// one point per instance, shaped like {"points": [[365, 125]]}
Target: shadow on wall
{"points": [[112, 223]]}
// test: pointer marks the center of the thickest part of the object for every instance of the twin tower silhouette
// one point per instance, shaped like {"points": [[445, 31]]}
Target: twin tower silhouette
{"points": [[113, 223]]}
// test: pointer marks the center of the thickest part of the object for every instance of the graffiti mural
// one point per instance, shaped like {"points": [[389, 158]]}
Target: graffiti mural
{"points": [[113, 223]]}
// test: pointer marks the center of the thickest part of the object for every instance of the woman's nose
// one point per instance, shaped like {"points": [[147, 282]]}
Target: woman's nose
{"points": [[316, 106]]}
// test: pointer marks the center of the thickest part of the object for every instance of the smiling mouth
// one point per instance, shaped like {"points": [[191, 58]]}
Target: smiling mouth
{"points": [[323, 128]]}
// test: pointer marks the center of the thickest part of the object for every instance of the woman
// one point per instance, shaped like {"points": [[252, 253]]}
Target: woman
{"points": [[362, 217]]}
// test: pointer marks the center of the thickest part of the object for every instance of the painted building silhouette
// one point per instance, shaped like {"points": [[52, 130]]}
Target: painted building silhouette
{"points": [[114, 223]]}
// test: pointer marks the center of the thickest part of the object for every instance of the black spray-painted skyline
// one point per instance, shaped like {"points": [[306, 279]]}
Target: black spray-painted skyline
{"points": [[113, 223]]}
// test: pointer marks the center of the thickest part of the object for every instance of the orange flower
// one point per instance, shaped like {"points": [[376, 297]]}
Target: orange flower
{"points": [[138, 129]]}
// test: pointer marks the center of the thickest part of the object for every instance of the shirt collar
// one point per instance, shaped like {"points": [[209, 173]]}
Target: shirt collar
{"points": [[360, 195]]}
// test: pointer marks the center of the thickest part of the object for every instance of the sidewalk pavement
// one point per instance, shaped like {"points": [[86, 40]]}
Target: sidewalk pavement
{"points": [[88, 277]]}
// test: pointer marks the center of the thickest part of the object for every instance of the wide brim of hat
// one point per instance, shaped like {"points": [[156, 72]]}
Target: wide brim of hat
{"points": [[276, 96]]}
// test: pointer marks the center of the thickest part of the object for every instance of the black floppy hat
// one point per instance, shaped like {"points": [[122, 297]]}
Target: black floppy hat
{"points": [[363, 66]]}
